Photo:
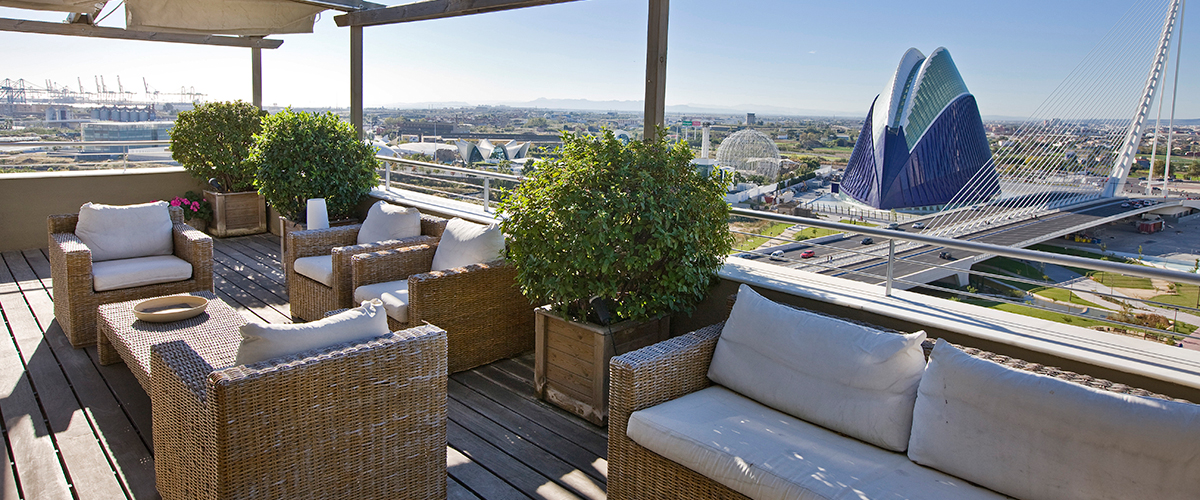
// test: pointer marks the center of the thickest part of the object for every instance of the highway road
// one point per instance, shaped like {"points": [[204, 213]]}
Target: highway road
{"points": [[913, 257]]}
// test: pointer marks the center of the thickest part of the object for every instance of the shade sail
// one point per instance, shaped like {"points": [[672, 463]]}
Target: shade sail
{"points": [[81, 6], [225, 17]]}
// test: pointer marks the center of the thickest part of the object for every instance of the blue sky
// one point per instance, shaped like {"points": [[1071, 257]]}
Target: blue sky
{"points": [[825, 55]]}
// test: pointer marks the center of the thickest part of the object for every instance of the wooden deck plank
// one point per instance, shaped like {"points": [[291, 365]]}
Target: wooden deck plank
{"points": [[522, 450], [557, 421], [456, 491], [8, 479], [239, 299], [571, 453], [471, 475], [71, 420], [253, 262], [520, 476], [263, 296], [125, 439], [266, 244]]}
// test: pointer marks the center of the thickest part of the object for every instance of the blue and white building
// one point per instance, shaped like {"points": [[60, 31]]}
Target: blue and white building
{"points": [[923, 140]]}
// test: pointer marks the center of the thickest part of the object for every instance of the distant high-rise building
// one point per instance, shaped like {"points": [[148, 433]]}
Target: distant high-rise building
{"points": [[923, 140], [751, 119]]}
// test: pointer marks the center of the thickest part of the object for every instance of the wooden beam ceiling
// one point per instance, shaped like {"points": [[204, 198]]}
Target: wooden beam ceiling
{"points": [[433, 9], [342, 5], [85, 30]]}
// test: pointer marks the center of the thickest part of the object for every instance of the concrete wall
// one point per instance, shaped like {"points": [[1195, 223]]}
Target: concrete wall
{"points": [[26, 199]]}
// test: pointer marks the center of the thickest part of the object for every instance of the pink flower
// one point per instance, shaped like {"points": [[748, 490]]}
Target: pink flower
{"points": [[175, 202], [195, 206]]}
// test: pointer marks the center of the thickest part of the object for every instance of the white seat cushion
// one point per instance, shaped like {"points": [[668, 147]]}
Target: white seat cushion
{"points": [[389, 222], [125, 231], [847, 377], [140, 271], [319, 268], [1038, 438], [464, 243], [261, 342], [766, 454], [393, 294]]}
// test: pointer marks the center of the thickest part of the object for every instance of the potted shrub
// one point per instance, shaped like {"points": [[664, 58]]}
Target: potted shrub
{"points": [[614, 238], [212, 142], [300, 155]]}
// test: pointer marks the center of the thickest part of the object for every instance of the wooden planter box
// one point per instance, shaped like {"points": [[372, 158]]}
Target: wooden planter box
{"points": [[237, 214], [571, 359]]}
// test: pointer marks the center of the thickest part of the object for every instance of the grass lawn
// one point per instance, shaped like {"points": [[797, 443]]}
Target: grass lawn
{"points": [[1121, 281], [1056, 317], [1042, 247], [858, 223], [1017, 267], [1066, 296], [743, 242], [814, 232], [1186, 296], [847, 150]]}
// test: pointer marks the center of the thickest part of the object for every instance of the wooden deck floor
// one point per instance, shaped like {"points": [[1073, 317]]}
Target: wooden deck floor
{"points": [[75, 429]]}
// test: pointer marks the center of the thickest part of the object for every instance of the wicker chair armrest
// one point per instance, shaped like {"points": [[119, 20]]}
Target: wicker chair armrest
{"points": [[192, 244], [312, 242], [433, 226], [61, 223], [183, 370], [390, 265], [343, 269], [68, 251], [437, 294], [658, 373]]}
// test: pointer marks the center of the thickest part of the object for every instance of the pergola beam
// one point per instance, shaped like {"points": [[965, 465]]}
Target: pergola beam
{"points": [[342, 5], [433, 9], [45, 28], [656, 69]]}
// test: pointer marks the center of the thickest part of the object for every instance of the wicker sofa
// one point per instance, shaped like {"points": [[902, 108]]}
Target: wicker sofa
{"points": [[484, 313], [311, 299], [356, 420], [75, 297], [672, 371]]}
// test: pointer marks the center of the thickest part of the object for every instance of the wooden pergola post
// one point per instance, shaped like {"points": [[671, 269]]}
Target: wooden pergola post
{"points": [[256, 74], [356, 79], [656, 69]]}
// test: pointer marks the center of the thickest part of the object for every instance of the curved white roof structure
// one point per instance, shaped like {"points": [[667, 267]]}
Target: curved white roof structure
{"points": [[921, 88]]}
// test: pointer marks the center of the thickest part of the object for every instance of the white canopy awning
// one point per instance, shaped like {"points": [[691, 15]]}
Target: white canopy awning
{"points": [[81, 6], [222, 17]]}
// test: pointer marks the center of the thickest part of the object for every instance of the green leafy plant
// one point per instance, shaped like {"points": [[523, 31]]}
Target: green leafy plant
{"points": [[300, 155], [634, 225], [213, 140], [194, 206]]}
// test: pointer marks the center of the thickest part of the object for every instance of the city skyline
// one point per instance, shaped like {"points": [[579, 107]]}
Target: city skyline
{"points": [[814, 59]]}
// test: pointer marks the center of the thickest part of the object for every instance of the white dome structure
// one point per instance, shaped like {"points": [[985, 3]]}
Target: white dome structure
{"points": [[749, 151]]}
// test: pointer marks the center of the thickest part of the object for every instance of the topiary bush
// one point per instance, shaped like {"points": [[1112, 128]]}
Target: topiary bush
{"points": [[634, 225], [213, 140], [301, 155]]}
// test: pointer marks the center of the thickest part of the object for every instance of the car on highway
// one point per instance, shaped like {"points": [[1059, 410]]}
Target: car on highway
{"points": [[867, 241], [808, 254], [777, 255], [1125, 205], [945, 256], [918, 225]]}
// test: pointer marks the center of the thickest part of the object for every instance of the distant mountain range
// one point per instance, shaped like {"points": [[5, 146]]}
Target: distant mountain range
{"points": [[637, 106]]}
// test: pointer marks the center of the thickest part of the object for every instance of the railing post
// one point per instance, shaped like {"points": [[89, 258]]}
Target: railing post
{"points": [[387, 176], [487, 193], [891, 260]]}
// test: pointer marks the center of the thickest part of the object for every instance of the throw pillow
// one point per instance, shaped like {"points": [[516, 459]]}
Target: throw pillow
{"points": [[846, 377], [465, 243], [125, 231], [261, 342], [389, 222]]}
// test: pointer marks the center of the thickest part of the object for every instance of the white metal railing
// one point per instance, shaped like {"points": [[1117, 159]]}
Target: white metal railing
{"points": [[886, 254], [90, 155], [413, 168]]}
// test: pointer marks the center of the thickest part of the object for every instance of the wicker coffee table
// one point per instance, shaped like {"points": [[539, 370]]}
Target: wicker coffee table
{"points": [[122, 337]]}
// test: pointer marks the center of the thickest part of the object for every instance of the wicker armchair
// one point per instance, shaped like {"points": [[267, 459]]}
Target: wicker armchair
{"points": [[75, 299], [356, 420], [679, 366], [310, 299], [484, 313]]}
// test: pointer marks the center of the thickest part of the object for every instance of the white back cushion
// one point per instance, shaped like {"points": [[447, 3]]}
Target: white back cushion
{"points": [[846, 377], [1040, 438], [125, 231], [261, 342], [465, 243], [389, 222]]}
